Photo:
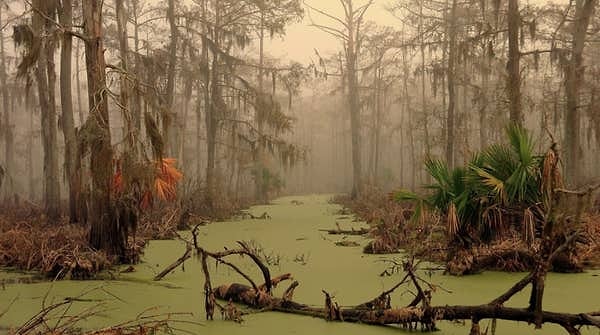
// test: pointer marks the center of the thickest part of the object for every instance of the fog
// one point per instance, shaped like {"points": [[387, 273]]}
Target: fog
{"points": [[214, 145], [304, 136]]}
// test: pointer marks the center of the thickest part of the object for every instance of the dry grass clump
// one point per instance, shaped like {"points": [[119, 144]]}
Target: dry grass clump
{"points": [[392, 227], [28, 242], [58, 319], [590, 250], [57, 250], [161, 223], [194, 203]]}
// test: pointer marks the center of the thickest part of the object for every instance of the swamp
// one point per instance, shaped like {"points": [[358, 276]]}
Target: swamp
{"points": [[299, 166]]}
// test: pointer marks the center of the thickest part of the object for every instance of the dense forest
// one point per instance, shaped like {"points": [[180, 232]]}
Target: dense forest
{"points": [[462, 133]]}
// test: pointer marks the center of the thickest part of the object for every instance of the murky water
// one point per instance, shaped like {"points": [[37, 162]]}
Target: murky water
{"points": [[293, 243]]}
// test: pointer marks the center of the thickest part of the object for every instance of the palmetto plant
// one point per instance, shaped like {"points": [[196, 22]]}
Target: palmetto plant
{"points": [[498, 188]]}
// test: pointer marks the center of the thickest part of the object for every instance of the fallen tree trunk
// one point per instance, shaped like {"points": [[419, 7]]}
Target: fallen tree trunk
{"points": [[419, 313], [407, 317], [361, 231]]}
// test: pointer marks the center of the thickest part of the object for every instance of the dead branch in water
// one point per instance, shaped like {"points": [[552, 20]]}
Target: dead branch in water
{"points": [[419, 313], [56, 319], [340, 231], [187, 254]]}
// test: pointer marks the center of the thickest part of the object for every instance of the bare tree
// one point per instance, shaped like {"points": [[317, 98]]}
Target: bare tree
{"points": [[5, 126], [66, 100], [513, 66], [350, 34], [574, 74], [104, 233], [43, 56]]}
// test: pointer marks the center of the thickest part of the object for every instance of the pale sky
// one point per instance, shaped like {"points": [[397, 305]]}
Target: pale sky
{"points": [[301, 39]]}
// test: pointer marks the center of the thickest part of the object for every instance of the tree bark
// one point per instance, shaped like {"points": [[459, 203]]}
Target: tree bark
{"points": [[46, 78], [78, 84], [451, 73], [573, 78], [352, 50], [203, 90], [513, 65], [130, 133], [104, 233], [423, 99], [213, 107], [137, 98], [483, 105], [66, 100], [5, 126], [32, 135], [168, 114], [261, 188]]}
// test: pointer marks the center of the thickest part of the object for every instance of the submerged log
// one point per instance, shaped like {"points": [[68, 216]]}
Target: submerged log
{"points": [[245, 294], [403, 316], [361, 231], [340, 231]]}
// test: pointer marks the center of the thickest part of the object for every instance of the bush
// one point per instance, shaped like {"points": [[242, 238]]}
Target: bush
{"points": [[499, 189]]}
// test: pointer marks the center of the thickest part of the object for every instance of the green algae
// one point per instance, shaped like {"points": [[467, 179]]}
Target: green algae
{"points": [[293, 243]]}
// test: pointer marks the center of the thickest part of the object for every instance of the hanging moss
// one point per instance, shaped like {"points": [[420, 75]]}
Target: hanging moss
{"points": [[154, 135], [532, 29]]}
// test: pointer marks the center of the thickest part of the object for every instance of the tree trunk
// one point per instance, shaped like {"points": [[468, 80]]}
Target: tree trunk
{"points": [[5, 126], [409, 128], [378, 125], [104, 233], [483, 102], [168, 114], [46, 78], [78, 84], [261, 188], [423, 99], [513, 66], [213, 107], [203, 91], [137, 98], [353, 102], [199, 102], [450, 139], [32, 135], [66, 100], [130, 133], [374, 126], [573, 78], [182, 121]]}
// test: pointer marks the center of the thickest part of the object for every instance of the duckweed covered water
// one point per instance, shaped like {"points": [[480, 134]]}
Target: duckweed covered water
{"points": [[292, 242]]}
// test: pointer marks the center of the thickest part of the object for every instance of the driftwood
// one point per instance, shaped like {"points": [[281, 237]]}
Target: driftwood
{"points": [[340, 231], [361, 231], [419, 313], [263, 216], [186, 255]]}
